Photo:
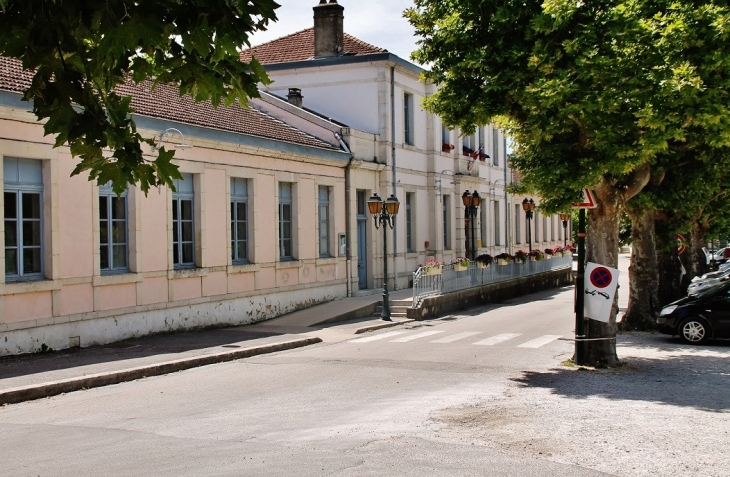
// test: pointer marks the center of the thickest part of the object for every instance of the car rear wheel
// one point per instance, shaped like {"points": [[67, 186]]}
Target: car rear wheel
{"points": [[694, 330]]}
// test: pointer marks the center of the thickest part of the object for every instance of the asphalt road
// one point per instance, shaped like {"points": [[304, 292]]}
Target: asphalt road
{"points": [[479, 393], [354, 405]]}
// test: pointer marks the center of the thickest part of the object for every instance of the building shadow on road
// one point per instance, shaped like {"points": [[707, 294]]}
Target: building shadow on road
{"points": [[655, 369]]}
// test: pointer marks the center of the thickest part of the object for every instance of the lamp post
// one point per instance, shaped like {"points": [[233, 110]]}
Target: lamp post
{"points": [[471, 204], [565, 218], [384, 214], [528, 206]]}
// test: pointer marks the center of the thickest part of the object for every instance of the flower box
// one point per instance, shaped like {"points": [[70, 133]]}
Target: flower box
{"points": [[460, 268], [482, 265], [548, 256], [433, 270], [502, 261]]}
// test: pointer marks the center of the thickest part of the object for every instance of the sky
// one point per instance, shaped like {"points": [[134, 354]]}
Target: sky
{"points": [[378, 22]]}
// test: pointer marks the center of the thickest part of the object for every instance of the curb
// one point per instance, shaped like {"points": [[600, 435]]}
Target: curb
{"points": [[379, 326], [53, 388]]}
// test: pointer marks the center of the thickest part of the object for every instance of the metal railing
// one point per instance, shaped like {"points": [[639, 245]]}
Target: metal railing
{"points": [[449, 280]]}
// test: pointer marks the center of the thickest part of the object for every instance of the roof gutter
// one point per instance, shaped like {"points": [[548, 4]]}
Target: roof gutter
{"points": [[344, 60], [146, 122]]}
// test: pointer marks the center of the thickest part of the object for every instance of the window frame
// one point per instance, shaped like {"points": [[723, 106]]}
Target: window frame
{"points": [[495, 218], [19, 189], [447, 222], [483, 221], [178, 197], [285, 202], [495, 146], [238, 198], [408, 138], [518, 220], [324, 223], [409, 222], [107, 193]]}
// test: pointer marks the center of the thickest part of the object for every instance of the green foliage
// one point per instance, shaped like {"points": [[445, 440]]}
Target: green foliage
{"points": [[81, 51], [589, 91]]}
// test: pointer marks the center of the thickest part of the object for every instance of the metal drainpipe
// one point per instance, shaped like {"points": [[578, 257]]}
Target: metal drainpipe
{"points": [[392, 142], [506, 205], [348, 218]]}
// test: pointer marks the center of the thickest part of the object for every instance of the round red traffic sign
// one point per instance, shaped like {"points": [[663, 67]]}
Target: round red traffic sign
{"points": [[601, 277], [682, 247]]}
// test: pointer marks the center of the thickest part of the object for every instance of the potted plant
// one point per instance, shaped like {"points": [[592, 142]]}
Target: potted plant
{"points": [[432, 267], [484, 260], [536, 256], [521, 256], [460, 264], [548, 253], [503, 258]]}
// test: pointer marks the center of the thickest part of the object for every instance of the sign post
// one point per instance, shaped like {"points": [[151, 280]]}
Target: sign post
{"points": [[580, 291], [580, 335]]}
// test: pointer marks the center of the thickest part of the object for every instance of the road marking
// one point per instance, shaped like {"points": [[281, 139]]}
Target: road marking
{"points": [[493, 340], [377, 337], [456, 337], [416, 336], [541, 341]]}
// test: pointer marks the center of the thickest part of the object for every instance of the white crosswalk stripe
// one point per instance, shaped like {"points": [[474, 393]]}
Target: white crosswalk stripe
{"points": [[377, 337], [493, 340], [416, 336], [456, 337], [541, 341]]}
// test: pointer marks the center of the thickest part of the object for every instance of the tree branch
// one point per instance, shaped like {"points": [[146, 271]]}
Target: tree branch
{"points": [[638, 179]]}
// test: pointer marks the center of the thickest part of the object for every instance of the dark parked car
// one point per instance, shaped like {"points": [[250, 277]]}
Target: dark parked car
{"points": [[699, 316]]}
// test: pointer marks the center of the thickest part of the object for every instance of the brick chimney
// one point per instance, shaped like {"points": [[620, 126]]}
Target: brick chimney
{"points": [[295, 97], [328, 30]]}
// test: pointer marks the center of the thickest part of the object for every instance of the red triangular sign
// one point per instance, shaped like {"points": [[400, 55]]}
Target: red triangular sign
{"points": [[588, 202]]}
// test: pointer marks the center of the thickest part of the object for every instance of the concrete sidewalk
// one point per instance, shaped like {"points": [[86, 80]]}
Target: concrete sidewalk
{"points": [[36, 376]]}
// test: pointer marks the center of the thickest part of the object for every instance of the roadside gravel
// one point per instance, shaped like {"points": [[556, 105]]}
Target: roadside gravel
{"points": [[665, 413]]}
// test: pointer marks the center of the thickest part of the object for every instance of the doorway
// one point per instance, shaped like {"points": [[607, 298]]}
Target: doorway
{"points": [[362, 250]]}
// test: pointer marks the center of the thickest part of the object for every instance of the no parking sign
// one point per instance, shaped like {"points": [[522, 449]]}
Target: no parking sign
{"points": [[600, 288]]}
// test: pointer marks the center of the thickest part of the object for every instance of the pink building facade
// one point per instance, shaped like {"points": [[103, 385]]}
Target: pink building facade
{"points": [[251, 232]]}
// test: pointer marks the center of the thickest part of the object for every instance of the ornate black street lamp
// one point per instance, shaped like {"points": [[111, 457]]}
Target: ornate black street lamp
{"points": [[528, 206], [565, 218], [471, 204], [384, 214]]}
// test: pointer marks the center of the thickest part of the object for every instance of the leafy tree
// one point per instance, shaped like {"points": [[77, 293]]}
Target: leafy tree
{"points": [[591, 92], [81, 50]]}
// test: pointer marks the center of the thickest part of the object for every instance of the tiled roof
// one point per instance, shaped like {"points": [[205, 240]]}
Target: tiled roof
{"points": [[12, 75], [299, 46], [165, 103]]}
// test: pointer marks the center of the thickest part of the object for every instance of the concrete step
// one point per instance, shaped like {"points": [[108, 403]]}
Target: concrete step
{"points": [[394, 316], [393, 309], [367, 292]]}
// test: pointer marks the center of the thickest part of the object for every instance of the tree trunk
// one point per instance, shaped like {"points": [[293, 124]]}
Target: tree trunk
{"points": [[644, 284], [696, 245], [669, 270], [602, 244]]}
